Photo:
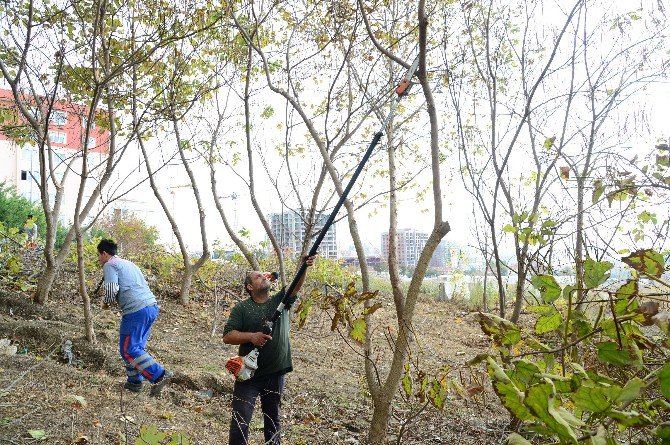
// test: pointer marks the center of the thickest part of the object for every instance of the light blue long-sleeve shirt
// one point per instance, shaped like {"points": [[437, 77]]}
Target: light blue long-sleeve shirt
{"points": [[125, 284]]}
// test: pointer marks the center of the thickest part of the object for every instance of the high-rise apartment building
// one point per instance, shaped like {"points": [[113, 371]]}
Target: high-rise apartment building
{"points": [[410, 244], [289, 230]]}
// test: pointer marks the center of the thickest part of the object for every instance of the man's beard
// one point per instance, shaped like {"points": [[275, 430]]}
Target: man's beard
{"points": [[265, 287]]}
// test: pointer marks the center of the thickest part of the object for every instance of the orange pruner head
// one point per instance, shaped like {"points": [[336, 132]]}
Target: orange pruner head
{"points": [[403, 87], [271, 276]]}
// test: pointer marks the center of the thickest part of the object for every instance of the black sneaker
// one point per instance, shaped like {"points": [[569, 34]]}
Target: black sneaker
{"points": [[133, 386], [158, 386]]}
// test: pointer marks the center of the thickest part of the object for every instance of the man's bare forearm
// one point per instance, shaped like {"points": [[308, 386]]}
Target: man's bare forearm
{"points": [[237, 338], [240, 338]]}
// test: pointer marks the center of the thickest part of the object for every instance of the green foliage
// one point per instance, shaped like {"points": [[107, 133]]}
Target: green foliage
{"points": [[11, 246], [149, 435], [595, 272], [578, 374], [349, 307], [14, 209], [548, 287], [38, 435], [131, 233], [436, 389]]}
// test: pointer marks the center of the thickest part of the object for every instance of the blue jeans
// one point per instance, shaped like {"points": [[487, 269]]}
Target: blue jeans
{"points": [[133, 336], [270, 390]]}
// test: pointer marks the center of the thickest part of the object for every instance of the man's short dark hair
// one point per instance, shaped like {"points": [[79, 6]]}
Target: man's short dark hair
{"points": [[109, 246], [247, 282], [30, 216]]}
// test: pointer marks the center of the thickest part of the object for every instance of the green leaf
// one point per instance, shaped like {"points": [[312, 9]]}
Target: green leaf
{"points": [[358, 330], [591, 398], [502, 331], [540, 400], [663, 431], [510, 229], [267, 112], [149, 435], [660, 405], [624, 295], [542, 309], [596, 272], [549, 142], [407, 382], [524, 374], [630, 418], [38, 434], [549, 289], [608, 352], [598, 190], [180, 438], [548, 224], [646, 261], [516, 439], [303, 311], [664, 380], [437, 394], [600, 438], [630, 391], [548, 323], [510, 396]]}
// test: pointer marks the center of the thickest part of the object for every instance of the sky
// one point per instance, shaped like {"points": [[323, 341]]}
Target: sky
{"points": [[180, 199]]}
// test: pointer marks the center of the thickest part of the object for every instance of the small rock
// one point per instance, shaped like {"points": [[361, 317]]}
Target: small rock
{"points": [[6, 348], [460, 353], [205, 394]]}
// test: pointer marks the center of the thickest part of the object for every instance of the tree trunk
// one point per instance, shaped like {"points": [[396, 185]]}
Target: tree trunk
{"points": [[81, 275], [381, 412], [45, 282], [520, 286], [184, 292]]}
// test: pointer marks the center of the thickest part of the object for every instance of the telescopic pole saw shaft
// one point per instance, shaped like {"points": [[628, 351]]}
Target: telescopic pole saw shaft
{"points": [[401, 91]]}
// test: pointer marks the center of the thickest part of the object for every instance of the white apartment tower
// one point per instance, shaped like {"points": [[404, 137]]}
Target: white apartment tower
{"points": [[289, 230], [410, 244]]}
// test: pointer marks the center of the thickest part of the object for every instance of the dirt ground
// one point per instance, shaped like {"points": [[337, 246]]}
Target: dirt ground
{"points": [[325, 400]]}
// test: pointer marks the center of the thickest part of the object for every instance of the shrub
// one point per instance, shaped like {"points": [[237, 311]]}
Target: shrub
{"points": [[14, 209]]}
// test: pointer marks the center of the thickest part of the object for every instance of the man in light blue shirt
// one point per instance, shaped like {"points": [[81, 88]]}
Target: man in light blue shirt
{"points": [[124, 285]]}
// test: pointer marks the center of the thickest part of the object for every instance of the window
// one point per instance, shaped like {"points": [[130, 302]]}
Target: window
{"points": [[58, 137], [24, 175], [58, 117], [26, 153], [91, 141], [84, 121], [58, 158]]}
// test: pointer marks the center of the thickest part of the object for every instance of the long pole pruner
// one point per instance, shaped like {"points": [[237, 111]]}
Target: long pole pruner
{"points": [[401, 91], [243, 368]]}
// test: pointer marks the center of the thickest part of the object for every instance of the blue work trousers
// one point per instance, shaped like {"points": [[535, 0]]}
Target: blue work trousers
{"points": [[270, 390], [133, 336]]}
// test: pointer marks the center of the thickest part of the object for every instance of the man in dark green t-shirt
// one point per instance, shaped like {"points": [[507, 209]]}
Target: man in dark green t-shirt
{"points": [[244, 328]]}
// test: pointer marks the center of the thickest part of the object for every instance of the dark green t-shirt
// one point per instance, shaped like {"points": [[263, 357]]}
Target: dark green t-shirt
{"points": [[249, 316]]}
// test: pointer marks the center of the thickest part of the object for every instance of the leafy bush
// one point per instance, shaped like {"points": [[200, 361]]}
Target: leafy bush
{"points": [[588, 376], [14, 209], [11, 242], [131, 233]]}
